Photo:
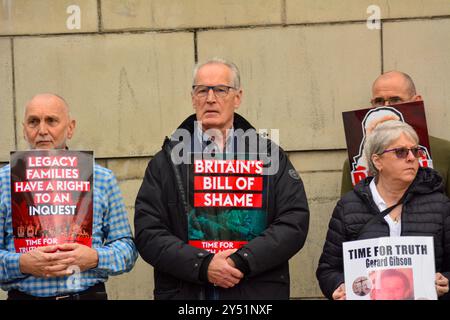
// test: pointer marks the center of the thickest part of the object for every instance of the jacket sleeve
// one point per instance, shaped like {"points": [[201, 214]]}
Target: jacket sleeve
{"points": [[446, 259], [330, 271], [9, 260], [346, 184], [155, 240], [286, 234], [447, 181]]}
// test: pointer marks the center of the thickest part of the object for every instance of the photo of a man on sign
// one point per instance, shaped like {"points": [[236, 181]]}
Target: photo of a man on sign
{"points": [[359, 124], [392, 284]]}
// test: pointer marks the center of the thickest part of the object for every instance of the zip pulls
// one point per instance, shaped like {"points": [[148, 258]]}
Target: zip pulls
{"points": [[179, 182]]}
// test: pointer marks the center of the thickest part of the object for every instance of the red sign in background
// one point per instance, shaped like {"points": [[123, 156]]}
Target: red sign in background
{"points": [[412, 113]]}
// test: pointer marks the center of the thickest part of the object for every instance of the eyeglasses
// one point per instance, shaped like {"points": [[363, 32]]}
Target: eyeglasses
{"points": [[403, 152], [220, 91], [379, 102]]}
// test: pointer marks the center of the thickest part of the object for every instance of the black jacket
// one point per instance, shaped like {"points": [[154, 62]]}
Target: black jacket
{"points": [[161, 229], [425, 212]]}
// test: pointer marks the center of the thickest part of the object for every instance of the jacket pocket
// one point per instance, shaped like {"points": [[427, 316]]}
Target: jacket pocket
{"points": [[166, 286], [166, 294]]}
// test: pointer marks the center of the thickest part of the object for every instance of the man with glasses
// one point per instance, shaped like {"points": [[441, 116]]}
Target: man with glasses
{"points": [[170, 225], [392, 88]]}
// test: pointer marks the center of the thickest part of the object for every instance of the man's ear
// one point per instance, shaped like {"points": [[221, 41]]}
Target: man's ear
{"points": [[418, 98], [238, 99], [71, 128], [193, 100]]}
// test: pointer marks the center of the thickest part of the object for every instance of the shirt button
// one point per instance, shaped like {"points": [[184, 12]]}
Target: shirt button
{"points": [[246, 255], [196, 265], [201, 254]]}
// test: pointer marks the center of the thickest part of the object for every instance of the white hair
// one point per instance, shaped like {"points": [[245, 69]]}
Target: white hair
{"points": [[236, 77], [382, 136]]}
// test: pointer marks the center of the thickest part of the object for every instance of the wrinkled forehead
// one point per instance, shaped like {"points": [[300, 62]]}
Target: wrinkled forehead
{"points": [[46, 105], [214, 73], [390, 86]]}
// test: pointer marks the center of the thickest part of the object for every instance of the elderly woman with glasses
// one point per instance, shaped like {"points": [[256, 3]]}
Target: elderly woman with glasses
{"points": [[399, 199]]}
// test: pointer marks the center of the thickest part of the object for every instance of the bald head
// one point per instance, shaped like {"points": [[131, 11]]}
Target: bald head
{"points": [[47, 123], [393, 87], [48, 99], [398, 79]]}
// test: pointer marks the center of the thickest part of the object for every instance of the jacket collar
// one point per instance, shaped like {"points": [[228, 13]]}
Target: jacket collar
{"points": [[239, 122]]}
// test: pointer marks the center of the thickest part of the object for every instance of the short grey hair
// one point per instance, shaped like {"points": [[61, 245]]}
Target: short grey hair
{"points": [[382, 136], [236, 77]]}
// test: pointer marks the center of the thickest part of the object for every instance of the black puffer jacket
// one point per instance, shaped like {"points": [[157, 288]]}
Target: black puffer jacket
{"points": [[161, 228], [426, 212]]}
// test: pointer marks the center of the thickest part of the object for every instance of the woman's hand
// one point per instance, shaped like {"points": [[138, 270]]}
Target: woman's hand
{"points": [[339, 293], [441, 284]]}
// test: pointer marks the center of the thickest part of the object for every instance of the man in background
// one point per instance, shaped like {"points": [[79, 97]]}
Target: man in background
{"points": [[395, 87]]}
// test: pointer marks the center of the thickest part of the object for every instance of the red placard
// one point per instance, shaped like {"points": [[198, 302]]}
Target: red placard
{"points": [[228, 166], [228, 207], [231, 183], [357, 122], [237, 200], [217, 246], [51, 197]]}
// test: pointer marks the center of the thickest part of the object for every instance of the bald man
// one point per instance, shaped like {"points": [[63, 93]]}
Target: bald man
{"points": [[47, 123], [396, 87], [46, 272]]}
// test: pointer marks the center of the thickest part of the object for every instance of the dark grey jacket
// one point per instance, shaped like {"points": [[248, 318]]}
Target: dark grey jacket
{"points": [[161, 229], [426, 212]]}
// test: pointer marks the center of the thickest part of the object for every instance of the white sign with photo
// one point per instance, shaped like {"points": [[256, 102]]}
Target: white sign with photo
{"points": [[390, 268]]}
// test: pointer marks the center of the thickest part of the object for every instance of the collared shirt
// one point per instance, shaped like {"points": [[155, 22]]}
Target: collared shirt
{"points": [[205, 138], [211, 292], [112, 238], [395, 227]]}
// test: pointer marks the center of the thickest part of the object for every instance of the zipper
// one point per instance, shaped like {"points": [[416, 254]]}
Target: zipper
{"points": [[179, 184]]}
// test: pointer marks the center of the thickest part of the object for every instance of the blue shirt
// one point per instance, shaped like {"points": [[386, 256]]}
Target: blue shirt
{"points": [[111, 238]]}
